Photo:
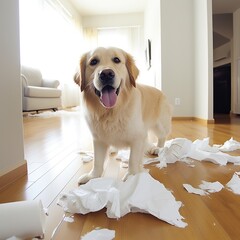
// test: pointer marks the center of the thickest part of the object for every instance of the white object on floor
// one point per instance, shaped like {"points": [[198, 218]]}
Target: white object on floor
{"points": [[99, 234], [68, 219], [179, 149], [139, 193], [230, 145], [194, 190], [234, 184], [205, 188], [211, 187], [26, 218], [201, 151], [86, 156], [123, 155]]}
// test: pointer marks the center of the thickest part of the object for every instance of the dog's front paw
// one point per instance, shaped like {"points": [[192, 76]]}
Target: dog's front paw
{"points": [[126, 176], [86, 177]]}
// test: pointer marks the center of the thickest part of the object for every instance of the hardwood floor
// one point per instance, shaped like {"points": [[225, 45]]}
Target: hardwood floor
{"points": [[52, 145]]}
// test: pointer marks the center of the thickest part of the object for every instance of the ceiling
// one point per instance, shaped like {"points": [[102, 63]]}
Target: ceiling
{"points": [[102, 7], [97, 7], [225, 6]]}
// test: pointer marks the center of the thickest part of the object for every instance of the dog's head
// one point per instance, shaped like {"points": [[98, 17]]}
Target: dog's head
{"points": [[106, 72]]}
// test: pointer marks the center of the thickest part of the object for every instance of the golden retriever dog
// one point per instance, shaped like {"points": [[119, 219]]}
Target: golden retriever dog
{"points": [[119, 111]]}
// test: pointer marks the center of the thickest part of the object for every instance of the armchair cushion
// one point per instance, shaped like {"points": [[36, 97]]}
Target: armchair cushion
{"points": [[50, 83], [41, 92]]}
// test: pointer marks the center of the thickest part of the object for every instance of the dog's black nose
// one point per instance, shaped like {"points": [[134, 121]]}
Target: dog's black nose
{"points": [[107, 76]]}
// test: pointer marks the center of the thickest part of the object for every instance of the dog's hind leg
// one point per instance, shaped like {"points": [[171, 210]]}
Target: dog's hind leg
{"points": [[100, 152], [161, 131]]}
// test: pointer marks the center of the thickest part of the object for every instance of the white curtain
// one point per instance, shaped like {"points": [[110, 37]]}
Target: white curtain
{"points": [[50, 41]]}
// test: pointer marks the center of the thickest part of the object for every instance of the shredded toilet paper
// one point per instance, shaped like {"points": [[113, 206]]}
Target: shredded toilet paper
{"points": [[179, 149], [204, 188], [234, 183], [211, 187], [230, 145], [182, 149], [194, 190], [99, 234], [139, 193]]}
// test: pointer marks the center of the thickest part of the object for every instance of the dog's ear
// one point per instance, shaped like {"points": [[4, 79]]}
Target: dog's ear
{"points": [[79, 77], [132, 69]]}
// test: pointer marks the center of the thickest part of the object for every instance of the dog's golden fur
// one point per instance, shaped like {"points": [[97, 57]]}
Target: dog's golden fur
{"points": [[136, 109]]}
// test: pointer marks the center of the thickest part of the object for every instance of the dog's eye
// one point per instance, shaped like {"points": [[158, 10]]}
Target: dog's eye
{"points": [[116, 60], [94, 62]]}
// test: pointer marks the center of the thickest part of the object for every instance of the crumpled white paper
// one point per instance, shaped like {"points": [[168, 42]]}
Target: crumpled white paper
{"points": [[139, 193], [230, 145], [234, 183], [201, 151], [99, 234], [179, 149], [174, 150]]}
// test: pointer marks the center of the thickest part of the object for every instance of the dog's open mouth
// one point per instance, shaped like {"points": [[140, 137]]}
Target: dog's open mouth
{"points": [[108, 96]]}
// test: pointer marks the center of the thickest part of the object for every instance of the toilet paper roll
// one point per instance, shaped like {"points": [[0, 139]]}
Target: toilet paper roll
{"points": [[24, 219]]}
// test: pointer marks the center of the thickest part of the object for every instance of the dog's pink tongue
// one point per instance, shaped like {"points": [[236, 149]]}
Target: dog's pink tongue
{"points": [[109, 97]]}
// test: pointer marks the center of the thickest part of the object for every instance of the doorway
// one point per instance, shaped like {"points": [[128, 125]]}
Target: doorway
{"points": [[222, 89]]}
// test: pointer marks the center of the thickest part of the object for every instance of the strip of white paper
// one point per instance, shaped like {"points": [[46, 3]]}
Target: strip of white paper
{"points": [[99, 234], [211, 187], [194, 190], [204, 188], [25, 219], [139, 193]]}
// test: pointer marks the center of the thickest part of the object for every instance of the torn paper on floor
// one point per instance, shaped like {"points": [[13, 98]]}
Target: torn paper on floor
{"points": [[234, 184], [230, 145], [139, 193], [99, 234], [179, 149], [183, 150], [204, 188], [211, 187], [194, 190], [86, 156]]}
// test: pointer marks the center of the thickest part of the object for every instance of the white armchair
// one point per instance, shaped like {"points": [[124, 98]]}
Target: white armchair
{"points": [[39, 93]]}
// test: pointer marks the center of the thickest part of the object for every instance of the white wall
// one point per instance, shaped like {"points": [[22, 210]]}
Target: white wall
{"points": [[203, 60], [186, 54], [11, 131], [152, 31], [177, 48], [116, 20]]}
